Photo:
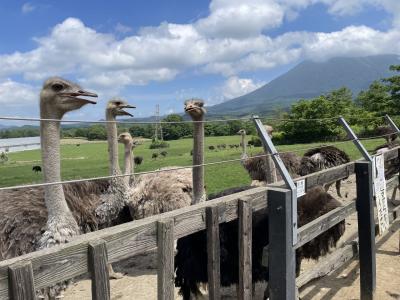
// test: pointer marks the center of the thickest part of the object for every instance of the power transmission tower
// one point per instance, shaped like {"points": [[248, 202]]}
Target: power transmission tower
{"points": [[158, 133]]}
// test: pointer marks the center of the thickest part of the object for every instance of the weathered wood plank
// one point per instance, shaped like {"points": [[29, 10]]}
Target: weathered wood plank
{"points": [[281, 251], [22, 285], [165, 255], [366, 230], [98, 267], [313, 229], [245, 245], [329, 263], [213, 252]]}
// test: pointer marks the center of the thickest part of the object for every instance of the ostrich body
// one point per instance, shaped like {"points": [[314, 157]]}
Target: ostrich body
{"points": [[160, 192], [191, 257], [36, 218], [195, 109], [37, 169], [321, 158], [113, 202]]}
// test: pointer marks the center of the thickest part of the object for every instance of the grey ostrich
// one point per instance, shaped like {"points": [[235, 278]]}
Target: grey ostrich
{"points": [[116, 197], [195, 109], [37, 218], [321, 158]]}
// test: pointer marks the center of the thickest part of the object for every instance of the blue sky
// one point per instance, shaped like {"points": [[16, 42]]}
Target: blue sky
{"points": [[163, 52]]}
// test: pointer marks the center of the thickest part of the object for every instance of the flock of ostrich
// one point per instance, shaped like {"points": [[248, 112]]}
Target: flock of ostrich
{"points": [[49, 215]]}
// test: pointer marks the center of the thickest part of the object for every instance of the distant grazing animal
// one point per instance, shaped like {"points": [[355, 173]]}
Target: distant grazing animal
{"points": [[138, 160], [37, 169], [191, 255], [164, 153], [78, 145], [195, 109], [211, 148], [322, 158], [154, 155]]}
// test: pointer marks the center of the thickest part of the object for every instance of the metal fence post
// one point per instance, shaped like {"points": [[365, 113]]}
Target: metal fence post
{"points": [[366, 229], [282, 277]]}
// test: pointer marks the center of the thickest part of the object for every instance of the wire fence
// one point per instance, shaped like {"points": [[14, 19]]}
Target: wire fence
{"points": [[297, 150]]}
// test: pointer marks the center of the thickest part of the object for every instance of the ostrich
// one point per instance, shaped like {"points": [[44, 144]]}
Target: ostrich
{"points": [[388, 133], [321, 158], [242, 133], [37, 218], [126, 139], [191, 256], [195, 109], [111, 211]]}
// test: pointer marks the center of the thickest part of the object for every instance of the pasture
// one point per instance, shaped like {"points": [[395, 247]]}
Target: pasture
{"points": [[91, 160]]}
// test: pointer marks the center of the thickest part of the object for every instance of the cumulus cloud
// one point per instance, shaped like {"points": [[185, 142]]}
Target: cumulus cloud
{"points": [[121, 28], [232, 39], [27, 8], [235, 87], [17, 94]]}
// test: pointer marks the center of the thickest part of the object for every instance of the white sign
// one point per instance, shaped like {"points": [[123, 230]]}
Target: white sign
{"points": [[301, 187], [380, 193]]}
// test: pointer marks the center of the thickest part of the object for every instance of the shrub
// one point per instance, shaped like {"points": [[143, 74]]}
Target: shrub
{"points": [[159, 144]]}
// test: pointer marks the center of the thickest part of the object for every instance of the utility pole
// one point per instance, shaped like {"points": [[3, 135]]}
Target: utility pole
{"points": [[158, 133]]}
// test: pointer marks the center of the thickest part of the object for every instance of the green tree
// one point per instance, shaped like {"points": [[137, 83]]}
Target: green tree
{"points": [[376, 99], [97, 132], [393, 84], [175, 131]]}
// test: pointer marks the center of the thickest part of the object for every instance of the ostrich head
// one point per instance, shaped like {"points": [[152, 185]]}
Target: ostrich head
{"points": [[116, 107], [242, 132], [59, 96], [125, 138], [195, 108], [269, 130]]}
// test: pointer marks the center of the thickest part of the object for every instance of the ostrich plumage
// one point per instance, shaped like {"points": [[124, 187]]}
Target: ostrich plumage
{"points": [[191, 257]]}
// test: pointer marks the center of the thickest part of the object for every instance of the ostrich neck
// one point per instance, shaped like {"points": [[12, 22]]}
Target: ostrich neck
{"points": [[129, 166], [50, 144], [198, 159], [112, 133], [244, 146]]}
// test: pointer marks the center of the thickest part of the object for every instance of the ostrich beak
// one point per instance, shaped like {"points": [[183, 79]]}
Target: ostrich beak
{"points": [[125, 113], [80, 93]]}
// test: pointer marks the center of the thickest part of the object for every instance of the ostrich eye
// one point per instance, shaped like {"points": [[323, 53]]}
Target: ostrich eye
{"points": [[118, 103], [57, 87]]}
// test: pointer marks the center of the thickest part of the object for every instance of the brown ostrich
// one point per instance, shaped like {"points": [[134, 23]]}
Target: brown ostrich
{"points": [[389, 134], [195, 109], [321, 158], [191, 256]]}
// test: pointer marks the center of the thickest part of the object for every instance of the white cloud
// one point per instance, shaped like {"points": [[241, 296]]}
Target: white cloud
{"points": [[14, 94], [121, 28], [232, 39], [27, 8], [235, 87]]}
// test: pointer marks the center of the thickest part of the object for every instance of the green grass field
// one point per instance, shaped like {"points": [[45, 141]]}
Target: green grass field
{"points": [[90, 160]]}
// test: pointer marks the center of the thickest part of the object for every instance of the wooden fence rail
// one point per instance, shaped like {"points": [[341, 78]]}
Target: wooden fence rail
{"points": [[90, 253]]}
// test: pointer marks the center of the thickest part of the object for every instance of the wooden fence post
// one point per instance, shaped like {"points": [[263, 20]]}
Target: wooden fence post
{"points": [[281, 256], [165, 249], [98, 267], [21, 281], [366, 229], [213, 252], [245, 246]]}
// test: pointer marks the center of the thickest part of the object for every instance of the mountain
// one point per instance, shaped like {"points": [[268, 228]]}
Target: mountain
{"points": [[307, 80]]}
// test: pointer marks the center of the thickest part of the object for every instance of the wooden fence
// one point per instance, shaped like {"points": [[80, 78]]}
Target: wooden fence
{"points": [[90, 253]]}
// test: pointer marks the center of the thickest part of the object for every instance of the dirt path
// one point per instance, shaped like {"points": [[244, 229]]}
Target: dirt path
{"points": [[140, 282]]}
